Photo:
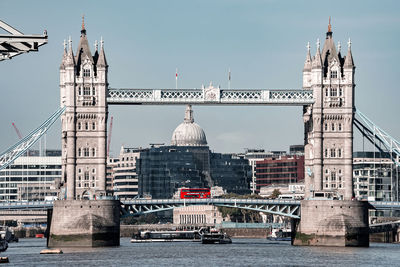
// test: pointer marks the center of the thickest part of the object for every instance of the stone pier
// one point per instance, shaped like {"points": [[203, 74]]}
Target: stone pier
{"points": [[333, 223], [85, 223]]}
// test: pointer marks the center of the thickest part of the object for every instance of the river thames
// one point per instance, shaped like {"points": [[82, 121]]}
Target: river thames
{"points": [[242, 252]]}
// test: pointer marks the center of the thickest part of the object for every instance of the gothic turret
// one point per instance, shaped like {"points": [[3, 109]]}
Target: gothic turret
{"points": [[83, 54], [102, 62], [308, 62], [348, 63], [317, 62]]}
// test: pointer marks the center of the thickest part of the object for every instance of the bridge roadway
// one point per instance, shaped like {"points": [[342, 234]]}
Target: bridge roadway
{"points": [[288, 208]]}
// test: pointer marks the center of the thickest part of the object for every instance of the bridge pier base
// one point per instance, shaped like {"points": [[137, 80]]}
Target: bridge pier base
{"points": [[85, 223], [333, 223]]}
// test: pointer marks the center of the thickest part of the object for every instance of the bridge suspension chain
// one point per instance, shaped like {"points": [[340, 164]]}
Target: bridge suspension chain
{"points": [[370, 130], [11, 154]]}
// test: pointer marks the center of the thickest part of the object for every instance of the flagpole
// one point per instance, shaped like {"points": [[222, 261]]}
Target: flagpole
{"points": [[229, 78], [176, 79]]}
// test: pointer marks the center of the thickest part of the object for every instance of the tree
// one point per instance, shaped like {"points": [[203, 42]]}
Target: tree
{"points": [[275, 194]]}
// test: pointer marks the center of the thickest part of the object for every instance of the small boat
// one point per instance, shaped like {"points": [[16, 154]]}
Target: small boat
{"points": [[166, 236], [4, 260], [280, 235], [215, 237]]}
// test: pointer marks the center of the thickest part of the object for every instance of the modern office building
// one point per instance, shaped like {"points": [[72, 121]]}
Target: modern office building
{"points": [[188, 162], [375, 177], [125, 178], [32, 178], [285, 169]]}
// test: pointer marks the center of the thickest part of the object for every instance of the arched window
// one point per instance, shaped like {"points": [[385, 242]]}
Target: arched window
{"points": [[340, 127], [93, 126], [93, 91], [339, 152], [86, 152], [326, 126], [79, 125], [333, 176], [334, 74], [93, 152], [79, 90], [86, 126], [79, 152], [326, 152], [333, 127]]}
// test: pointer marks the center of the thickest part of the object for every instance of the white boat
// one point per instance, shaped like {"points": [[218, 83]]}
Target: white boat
{"points": [[166, 236]]}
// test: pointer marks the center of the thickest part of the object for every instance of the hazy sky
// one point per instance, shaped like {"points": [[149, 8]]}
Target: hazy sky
{"points": [[263, 42]]}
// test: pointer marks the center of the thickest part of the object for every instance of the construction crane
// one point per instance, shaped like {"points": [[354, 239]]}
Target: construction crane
{"points": [[109, 137], [18, 132]]}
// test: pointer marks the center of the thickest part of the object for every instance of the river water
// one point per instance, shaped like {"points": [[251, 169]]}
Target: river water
{"points": [[242, 252]]}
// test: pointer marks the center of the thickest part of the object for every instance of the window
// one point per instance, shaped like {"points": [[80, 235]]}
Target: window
{"points": [[340, 127], [326, 153], [333, 153], [93, 126], [93, 170], [340, 91], [86, 152], [79, 152], [334, 74], [93, 152], [333, 176], [339, 152], [326, 126], [79, 170], [80, 90], [86, 176], [86, 126], [79, 125], [326, 92], [333, 91], [93, 91], [333, 127], [86, 90], [86, 72]]}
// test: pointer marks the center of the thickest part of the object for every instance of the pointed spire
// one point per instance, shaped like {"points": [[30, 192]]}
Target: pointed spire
{"points": [[307, 63], [329, 25], [189, 114], [317, 62], [62, 66], [83, 31], [348, 63], [339, 47], [102, 62], [69, 60], [96, 45]]}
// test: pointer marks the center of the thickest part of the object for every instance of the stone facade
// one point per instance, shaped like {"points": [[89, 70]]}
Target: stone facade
{"points": [[85, 223], [83, 90], [329, 121], [333, 223], [197, 215]]}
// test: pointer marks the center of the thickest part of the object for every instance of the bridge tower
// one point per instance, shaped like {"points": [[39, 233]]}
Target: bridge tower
{"points": [[329, 121], [83, 86], [329, 214]]}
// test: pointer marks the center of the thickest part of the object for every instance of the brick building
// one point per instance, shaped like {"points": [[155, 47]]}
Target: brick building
{"points": [[279, 170]]}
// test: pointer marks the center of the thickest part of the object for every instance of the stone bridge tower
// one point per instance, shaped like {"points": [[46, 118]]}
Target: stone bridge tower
{"points": [[329, 121], [83, 87]]}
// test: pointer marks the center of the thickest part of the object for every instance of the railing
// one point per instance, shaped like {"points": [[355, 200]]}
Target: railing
{"points": [[210, 96]]}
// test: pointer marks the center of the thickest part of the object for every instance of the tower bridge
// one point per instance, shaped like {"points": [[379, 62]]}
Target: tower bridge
{"points": [[327, 97]]}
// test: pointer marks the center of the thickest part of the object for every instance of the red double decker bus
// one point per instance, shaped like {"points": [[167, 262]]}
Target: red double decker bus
{"points": [[195, 193]]}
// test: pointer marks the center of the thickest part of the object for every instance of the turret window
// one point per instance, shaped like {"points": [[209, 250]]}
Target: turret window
{"points": [[333, 153], [86, 90], [79, 125], [340, 127], [340, 92], [93, 152], [86, 72], [93, 126], [334, 74], [93, 91], [333, 91], [333, 127], [86, 126], [79, 90], [86, 152]]}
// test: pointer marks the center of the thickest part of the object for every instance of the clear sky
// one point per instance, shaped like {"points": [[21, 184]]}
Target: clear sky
{"points": [[262, 42]]}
